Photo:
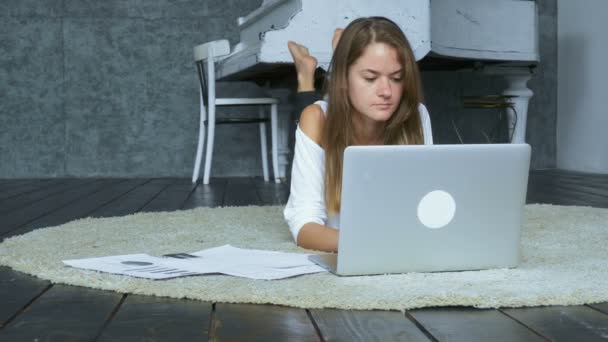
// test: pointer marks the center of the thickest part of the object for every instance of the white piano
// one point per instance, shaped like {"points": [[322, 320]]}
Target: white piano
{"points": [[499, 37]]}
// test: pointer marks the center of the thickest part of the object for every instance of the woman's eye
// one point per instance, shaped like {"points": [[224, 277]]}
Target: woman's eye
{"points": [[397, 79], [370, 79]]}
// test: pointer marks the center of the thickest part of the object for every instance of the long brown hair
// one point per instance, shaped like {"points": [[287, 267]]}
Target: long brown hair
{"points": [[404, 127]]}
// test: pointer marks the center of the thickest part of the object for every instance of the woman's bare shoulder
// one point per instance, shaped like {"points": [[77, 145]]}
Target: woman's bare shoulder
{"points": [[312, 121]]}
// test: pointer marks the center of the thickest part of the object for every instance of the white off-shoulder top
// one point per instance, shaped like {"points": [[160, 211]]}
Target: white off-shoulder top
{"points": [[306, 201]]}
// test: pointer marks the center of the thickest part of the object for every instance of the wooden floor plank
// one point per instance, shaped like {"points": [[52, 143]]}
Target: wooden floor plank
{"points": [[595, 191], [32, 211], [207, 195], [134, 200], [581, 181], [581, 186], [8, 184], [590, 190], [241, 192], [351, 325], [566, 197], [40, 194], [16, 291], [545, 198], [4, 181], [250, 322], [471, 325], [63, 313], [148, 318], [603, 307], [172, 197], [81, 208], [583, 176], [564, 323], [543, 193], [25, 188]]}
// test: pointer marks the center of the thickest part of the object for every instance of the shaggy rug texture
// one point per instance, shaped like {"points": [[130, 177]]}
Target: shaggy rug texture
{"points": [[564, 261]]}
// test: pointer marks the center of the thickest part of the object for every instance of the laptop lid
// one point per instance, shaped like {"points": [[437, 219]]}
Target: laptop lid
{"points": [[431, 207]]}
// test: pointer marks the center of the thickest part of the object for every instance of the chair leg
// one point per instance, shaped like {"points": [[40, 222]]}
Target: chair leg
{"points": [[275, 148], [263, 146], [210, 139], [201, 143]]}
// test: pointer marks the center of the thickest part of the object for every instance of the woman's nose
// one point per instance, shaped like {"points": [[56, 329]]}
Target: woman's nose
{"points": [[384, 88]]}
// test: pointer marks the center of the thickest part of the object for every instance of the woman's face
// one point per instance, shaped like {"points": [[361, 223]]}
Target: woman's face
{"points": [[375, 82]]}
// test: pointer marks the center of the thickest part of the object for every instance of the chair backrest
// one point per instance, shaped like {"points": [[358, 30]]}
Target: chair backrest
{"points": [[209, 52]]}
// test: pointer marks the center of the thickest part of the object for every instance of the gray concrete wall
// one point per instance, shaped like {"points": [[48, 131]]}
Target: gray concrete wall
{"points": [[108, 88]]}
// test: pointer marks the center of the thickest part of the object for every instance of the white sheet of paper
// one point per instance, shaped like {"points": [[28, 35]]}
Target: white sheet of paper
{"points": [[135, 265], [258, 264], [248, 263]]}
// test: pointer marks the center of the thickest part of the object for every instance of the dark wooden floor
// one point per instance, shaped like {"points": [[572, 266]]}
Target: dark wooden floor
{"points": [[33, 309]]}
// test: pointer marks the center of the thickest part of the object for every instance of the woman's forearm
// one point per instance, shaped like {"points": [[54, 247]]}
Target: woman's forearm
{"points": [[318, 237]]}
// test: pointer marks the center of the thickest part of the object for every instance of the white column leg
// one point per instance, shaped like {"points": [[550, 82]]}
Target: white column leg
{"points": [[518, 115], [275, 149], [201, 139], [517, 78], [263, 146]]}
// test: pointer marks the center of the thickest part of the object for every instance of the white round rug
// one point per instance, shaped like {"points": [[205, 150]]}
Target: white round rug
{"points": [[564, 258]]}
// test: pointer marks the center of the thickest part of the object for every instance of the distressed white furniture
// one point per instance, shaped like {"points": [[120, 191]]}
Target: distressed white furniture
{"points": [[205, 57], [502, 35], [495, 36]]}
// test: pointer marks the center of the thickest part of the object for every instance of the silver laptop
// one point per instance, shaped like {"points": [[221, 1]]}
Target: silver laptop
{"points": [[430, 208]]}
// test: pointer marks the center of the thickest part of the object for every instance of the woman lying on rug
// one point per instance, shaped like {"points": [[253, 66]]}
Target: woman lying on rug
{"points": [[374, 94]]}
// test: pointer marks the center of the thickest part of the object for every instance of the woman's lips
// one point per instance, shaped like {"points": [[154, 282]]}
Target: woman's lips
{"points": [[383, 105]]}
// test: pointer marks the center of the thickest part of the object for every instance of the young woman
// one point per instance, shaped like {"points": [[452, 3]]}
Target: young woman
{"points": [[373, 99]]}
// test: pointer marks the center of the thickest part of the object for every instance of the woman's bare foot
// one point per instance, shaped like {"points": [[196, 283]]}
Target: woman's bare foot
{"points": [[305, 66], [336, 37]]}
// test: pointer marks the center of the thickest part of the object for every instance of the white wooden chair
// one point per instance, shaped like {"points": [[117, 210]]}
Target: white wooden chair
{"points": [[205, 57]]}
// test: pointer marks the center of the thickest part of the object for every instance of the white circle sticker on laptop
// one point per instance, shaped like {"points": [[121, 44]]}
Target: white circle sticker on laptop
{"points": [[436, 209]]}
